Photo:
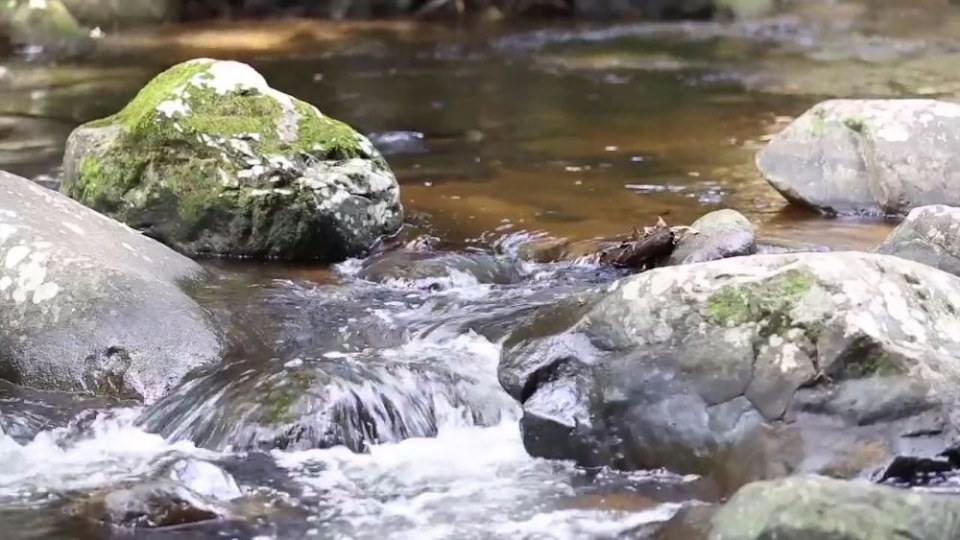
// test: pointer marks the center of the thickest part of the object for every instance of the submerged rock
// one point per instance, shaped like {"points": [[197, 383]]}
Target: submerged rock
{"points": [[868, 156], [813, 507], [717, 235], [188, 491], [86, 304], [930, 235], [212, 161], [353, 400], [435, 269], [745, 368]]}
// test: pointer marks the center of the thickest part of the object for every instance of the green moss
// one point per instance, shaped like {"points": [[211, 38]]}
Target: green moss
{"points": [[740, 304], [143, 107], [278, 401], [819, 122], [856, 125], [189, 163], [332, 138]]}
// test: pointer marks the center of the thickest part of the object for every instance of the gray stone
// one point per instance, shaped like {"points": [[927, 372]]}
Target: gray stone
{"points": [[868, 156], [212, 161], [745, 368], [87, 304], [717, 235], [930, 235], [806, 508]]}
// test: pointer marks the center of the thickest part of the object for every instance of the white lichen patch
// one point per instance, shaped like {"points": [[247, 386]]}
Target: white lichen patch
{"points": [[46, 291], [173, 107], [6, 232], [76, 229], [15, 256]]}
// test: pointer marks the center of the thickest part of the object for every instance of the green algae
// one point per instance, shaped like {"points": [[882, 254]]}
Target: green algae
{"points": [[740, 304]]}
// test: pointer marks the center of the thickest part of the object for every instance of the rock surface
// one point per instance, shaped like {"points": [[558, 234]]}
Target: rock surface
{"points": [[868, 156], [717, 235], [439, 270], [930, 235], [745, 368], [212, 161], [87, 304], [812, 507], [352, 400], [186, 491]]}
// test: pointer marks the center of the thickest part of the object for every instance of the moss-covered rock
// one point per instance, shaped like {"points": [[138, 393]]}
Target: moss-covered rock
{"points": [[209, 159], [746, 368]]}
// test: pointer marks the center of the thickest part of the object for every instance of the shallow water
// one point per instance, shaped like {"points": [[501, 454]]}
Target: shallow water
{"points": [[496, 133]]}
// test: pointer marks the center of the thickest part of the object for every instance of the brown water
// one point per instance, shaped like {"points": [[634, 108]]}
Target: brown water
{"points": [[572, 130], [578, 131]]}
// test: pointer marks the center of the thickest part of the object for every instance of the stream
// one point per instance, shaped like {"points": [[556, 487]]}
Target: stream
{"points": [[498, 134]]}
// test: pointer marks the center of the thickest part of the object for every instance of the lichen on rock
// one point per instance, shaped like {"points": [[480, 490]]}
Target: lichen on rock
{"points": [[211, 160]]}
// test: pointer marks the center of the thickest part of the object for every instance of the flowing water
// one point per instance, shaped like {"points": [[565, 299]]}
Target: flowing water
{"points": [[498, 134]]}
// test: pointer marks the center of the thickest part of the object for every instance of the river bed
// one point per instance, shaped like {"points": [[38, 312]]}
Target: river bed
{"points": [[497, 134]]}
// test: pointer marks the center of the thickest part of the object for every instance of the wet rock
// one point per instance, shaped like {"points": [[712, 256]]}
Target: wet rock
{"points": [[110, 14], [399, 142], [717, 235], [25, 412], [191, 492], [439, 270], [930, 235], [867, 156], [212, 161], [87, 304], [353, 400], [812, 507], [745, 368]]}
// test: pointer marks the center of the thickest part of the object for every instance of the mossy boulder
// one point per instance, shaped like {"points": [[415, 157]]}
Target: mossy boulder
{"points": [[210, 160], [813, 507], [745, 368]]}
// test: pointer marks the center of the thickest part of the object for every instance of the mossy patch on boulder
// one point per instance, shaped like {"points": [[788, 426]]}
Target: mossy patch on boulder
{"points": [[212, 161]]}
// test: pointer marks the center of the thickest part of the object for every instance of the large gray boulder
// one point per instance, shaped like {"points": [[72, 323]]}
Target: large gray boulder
{"points": [[868, 156], [930, 235], [87, 304], [745, 368], [806, 508], [717, 235], [212, 161]]}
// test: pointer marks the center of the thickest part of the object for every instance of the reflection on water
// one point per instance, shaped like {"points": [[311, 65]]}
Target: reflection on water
{"points": [[578, 131]]}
